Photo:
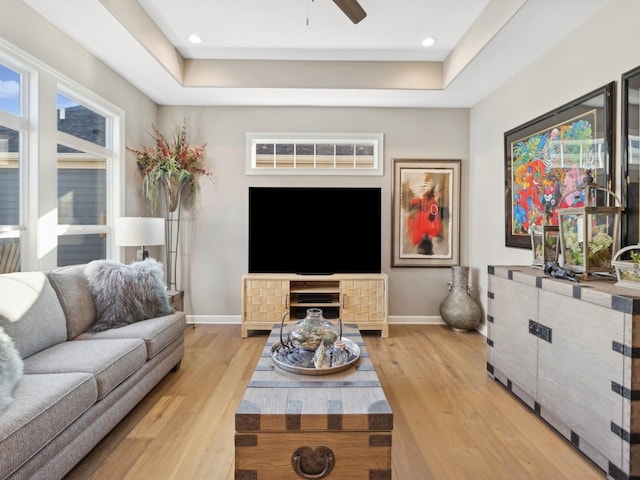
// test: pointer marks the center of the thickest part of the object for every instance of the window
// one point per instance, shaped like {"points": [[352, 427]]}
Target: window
{"points": [[80, 121], [309, 154], [9, 177], [10, 82], [12, 132], [82, 183], [59, 191]]}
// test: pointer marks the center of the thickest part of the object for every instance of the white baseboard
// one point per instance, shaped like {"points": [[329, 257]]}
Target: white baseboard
{"points": [[214, 319], [416, 320], [393, 320], [483, 329], [235, 320]]}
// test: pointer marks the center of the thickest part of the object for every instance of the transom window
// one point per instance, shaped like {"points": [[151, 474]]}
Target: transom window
{"points": [[314, 154]]}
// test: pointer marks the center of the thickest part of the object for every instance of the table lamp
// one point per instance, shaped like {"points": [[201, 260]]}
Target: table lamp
{"points": [[139, 232]]}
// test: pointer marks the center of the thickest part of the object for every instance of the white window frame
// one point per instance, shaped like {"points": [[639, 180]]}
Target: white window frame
{"points": [[255, 138], [107, 152], [40, 139], [20, 123]]}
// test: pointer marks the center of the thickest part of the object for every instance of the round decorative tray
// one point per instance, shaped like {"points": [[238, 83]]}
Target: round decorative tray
{"points": [[299, 360]]}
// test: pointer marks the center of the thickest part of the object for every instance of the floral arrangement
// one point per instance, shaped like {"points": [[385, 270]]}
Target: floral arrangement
{"points": [[172, 161], [599, 254]]}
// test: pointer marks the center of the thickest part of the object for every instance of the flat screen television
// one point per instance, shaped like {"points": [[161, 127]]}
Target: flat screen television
{"points": [[314, 230]]}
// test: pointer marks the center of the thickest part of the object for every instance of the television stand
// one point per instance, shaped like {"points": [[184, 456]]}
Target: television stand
{"points": [[353, 298]]}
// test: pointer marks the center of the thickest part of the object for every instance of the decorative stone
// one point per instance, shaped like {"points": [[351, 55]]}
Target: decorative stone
{"points": [[459, 310]]}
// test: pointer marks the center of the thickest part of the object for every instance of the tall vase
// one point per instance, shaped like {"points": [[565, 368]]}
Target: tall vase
{"points": [[172, 188], [459, 310]]}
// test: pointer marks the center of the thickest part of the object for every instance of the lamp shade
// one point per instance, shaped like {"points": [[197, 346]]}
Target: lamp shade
{"points": [[139, 231]]}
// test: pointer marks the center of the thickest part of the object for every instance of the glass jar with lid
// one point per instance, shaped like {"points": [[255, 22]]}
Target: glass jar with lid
{"points": [[313, 329]]}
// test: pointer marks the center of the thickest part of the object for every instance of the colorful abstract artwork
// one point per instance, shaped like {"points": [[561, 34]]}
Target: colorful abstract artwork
{"points": [[546, 160], [549, 165], [426, 206]]}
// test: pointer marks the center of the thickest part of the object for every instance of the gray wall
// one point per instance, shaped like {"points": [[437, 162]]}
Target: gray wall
{"points": [[596, 54], [215, 245]]}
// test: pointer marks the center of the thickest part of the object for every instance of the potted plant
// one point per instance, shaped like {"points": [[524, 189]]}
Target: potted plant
{"points": [[171, 164]]}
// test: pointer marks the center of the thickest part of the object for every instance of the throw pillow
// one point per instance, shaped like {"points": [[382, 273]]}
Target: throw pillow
{"points": [[124, 294], [77, 302], [10, 368]]}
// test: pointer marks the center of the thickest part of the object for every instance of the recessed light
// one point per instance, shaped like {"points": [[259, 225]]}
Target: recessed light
{"points": [[429, 41], [195, 39]]}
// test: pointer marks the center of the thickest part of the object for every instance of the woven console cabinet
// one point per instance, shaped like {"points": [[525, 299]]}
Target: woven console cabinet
{"points": [[571, 352], [335, 426], [355, 298]]}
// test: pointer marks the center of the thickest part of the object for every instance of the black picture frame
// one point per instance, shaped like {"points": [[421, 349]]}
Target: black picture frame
{"points": [[630, 156], [546, 158]]}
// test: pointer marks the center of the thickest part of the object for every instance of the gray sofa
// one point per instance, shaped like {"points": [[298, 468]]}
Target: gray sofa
{"points": [[77, 384]]}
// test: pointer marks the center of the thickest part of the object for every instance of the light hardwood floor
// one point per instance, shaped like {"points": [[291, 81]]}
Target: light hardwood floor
{"points": [[451, 421]]}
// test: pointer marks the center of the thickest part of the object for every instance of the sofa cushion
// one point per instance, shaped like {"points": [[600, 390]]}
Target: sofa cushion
{"points": [[156, 332], [75, 298], [125, 294], [30, 312], [110, 361], [43, 406]]}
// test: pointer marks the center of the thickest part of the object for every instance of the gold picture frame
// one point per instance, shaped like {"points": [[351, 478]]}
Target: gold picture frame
{"points": [[426, 213]]}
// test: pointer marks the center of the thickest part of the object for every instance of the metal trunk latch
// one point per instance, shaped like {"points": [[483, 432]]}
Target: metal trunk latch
{"points": [[539, 330]]}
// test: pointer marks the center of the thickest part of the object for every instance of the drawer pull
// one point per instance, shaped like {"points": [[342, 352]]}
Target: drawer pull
{"points": [[308, 463]]}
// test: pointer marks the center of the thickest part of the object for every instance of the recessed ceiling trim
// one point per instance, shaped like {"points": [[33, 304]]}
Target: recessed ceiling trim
{"points": [[307, 74], [272, 73], [135, 19], [140, 52], [493, 18]]}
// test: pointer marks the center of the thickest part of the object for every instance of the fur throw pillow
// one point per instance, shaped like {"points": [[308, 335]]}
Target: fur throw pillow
{"points": [[124, 294], [10, 368]]}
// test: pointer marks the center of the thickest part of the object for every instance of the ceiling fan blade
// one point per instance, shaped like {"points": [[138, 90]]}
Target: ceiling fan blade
{"points": [[351, 9]]}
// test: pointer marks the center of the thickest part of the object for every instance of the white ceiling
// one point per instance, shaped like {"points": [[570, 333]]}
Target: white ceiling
{"points": [[276, 52], [277, 29]]}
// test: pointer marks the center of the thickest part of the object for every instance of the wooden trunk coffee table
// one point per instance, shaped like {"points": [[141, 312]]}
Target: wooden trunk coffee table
{"points": [[290, 425]]}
